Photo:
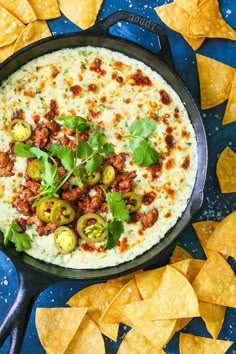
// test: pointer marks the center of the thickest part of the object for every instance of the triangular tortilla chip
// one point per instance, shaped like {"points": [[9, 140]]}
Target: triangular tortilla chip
{"points": [[134, 343], [180, 252], [165, 304], [149, 281], [187, 5], [223, 237], [157, 332], [213, 315], [57, 326], [79, 13], [214, 90], [174, 16], [190, 344], [6, 51], [206, 21], [182, 266], [21, 9], [48, 11], [128, 294], [203, 231], [194, 268], [94, 298], [216, 282], [33, 32], [230, 111], [226, 169], [195, 43], [87, 339], [10, 27]]}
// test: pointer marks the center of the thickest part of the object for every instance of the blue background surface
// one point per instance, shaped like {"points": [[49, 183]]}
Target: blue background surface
{"points": [[216, 205]]}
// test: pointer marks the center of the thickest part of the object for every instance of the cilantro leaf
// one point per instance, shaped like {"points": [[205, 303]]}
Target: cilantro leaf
{"points": [[115, 229], [22, 241], [107, 148], [143, 128], [74, 122], [84, 150], [145, 154], [49, 174], [8, 233], [96, 141], [79, 173], [15, 233], [117, 206], [39, 153], [93, 163], [23, 150], [65, 154]]}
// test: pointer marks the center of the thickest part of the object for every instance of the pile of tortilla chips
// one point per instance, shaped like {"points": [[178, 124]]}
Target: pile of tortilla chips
{"points": [[23, 22], [196, 20], [155, 304]]}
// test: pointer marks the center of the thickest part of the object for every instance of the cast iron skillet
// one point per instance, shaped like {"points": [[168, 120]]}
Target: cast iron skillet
{"points": [[34, 275]]}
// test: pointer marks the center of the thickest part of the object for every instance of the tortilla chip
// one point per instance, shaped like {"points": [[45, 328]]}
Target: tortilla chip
{"points": [[174, 16], [187, 5], [10, 27], [93, 298], [33, 32], [87, 339], [181, 323], [6, 51], [195, 43], [226, 170], [149, 281], [203, 231], [216, 282], [46, 10], [134, 343], [20, 9], [230, 111], [190, 344], [213, 92], [157, 332], [213, 315], [174, 298], [206, 21], [182, 266], [128, 294], [194, 268], [223, 237], [180, 252], [78, 12], [57, 326]]}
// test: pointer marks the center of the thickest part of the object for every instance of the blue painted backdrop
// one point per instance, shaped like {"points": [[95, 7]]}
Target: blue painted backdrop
{"points": [[215, 206]]}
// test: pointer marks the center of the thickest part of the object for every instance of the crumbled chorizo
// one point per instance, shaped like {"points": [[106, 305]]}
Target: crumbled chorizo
{"points": [[117, 161], [6, 165], [74, 193], [90, 204], [123, 181], [149, 218]]}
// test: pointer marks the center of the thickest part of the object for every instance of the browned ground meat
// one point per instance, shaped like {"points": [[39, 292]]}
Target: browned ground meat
{"points": [[116, 161], [43, 133], [74, 193], [22, 202], [149, 218], [6, 165], [90, 204], [43, 227], [123, 182]]}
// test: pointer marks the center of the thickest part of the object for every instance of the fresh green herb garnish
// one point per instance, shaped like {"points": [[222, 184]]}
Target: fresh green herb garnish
{"points": [[117, 206], [76, 123], [115, 229], [144, 152], [15, 233]]}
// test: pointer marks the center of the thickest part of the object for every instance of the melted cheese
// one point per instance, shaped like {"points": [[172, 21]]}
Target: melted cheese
{"points": [[111, 90]]}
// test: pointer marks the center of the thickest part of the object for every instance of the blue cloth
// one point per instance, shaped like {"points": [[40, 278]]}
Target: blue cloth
{"points": [[216, 205]]}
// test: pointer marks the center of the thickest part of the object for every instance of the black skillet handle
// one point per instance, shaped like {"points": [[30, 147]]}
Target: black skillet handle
{"points": [[103, 26], [30, 285]]}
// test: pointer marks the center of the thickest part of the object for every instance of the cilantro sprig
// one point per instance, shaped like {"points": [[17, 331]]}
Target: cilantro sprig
{"points": [[144, 152], [14, 232], [91, 154]]}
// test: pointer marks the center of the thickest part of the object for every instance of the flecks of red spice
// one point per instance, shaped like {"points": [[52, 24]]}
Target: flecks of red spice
{"points": [[55, 72], [92, 87], [186, 162], [170, 141], [76, 90], [96, 66]]}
